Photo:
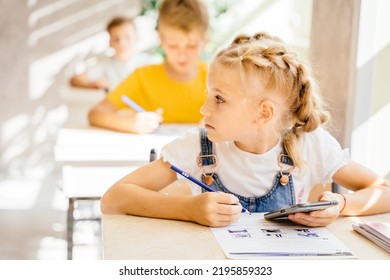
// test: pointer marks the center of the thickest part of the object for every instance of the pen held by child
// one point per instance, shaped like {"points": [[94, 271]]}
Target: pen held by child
{"points": [[132, 104], [199, 183]]}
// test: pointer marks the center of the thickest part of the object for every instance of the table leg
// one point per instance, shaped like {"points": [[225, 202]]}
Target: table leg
{"points": [[69, 231]]}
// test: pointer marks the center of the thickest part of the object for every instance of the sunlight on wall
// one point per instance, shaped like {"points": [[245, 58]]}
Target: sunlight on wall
{"points": [[12, 127], [44, 70], [10, 130], [370, 140], [64, 22], [371, 135], [25, 135], [371, 22], [47, 10], [383, 20]]}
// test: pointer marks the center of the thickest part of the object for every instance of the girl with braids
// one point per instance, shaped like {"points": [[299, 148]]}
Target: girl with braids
{"points": [[263, 147]]}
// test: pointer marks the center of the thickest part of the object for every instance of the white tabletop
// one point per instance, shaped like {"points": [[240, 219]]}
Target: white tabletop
{"points": [[79, 102], [93, 159], [130, 237], [90, 144]]}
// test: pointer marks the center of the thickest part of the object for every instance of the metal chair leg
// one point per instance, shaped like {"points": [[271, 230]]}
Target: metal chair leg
{"points": [[69, 231]]}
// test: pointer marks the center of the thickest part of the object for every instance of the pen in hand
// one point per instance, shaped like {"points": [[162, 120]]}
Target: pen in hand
{"points": [[199, 183], [132, 104]]}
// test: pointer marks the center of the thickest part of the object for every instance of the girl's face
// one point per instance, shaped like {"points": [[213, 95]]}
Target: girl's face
{"points": [[230, 111]]}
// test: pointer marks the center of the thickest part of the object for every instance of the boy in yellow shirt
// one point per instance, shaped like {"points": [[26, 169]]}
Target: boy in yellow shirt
{"points": [[172, 91]]}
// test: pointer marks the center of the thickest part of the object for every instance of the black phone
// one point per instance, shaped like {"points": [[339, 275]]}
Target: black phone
{"points": [[300, 207]]}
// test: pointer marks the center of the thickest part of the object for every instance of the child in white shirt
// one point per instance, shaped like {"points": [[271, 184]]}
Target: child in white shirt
{"points": [[262, 147], [107, 71]]}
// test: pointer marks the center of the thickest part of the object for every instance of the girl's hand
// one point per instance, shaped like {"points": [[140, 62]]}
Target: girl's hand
{"points": [[215, 209], [320, 218]]}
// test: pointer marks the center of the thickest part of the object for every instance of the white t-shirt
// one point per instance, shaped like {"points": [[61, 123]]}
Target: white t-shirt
{"points": [[252, 175], [114, 70]]}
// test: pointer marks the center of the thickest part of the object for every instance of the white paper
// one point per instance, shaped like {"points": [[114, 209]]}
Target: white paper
{"points": [[254, 237], [368, 231]]}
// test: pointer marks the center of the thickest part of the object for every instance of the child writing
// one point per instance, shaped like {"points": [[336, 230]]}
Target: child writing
{"points": [[177, 85], [106, 72], [262, 147]]}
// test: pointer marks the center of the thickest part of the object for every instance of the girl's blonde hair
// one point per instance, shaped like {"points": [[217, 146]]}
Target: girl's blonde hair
{"points": [[282, 71]]}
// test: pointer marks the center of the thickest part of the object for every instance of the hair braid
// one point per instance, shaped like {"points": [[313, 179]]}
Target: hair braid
{"points": [[241, 39], [306, 112], [284, 74]]}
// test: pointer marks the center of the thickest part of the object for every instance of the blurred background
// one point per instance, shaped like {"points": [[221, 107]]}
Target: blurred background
{"points": [[347, 41]]}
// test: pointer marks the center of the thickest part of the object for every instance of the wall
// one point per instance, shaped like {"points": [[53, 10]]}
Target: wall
{"points": [[350, 51], [371, 133], [37, 40], [333, 55]]}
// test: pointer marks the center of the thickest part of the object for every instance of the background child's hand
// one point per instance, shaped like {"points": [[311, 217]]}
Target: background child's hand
{"points": [[320, 218], [146, 122], [142, 122], [160, 112], [215, 209], [100, 84]]}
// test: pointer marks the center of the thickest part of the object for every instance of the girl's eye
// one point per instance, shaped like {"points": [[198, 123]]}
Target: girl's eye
{"points": [[219, 99]]}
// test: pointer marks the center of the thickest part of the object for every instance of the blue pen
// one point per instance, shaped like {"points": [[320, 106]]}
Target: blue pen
{"points": [[199, 183], [132, 104]]}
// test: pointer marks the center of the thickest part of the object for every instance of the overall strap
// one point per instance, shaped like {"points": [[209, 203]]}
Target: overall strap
{"points": [[206, 156], [285, 173], [286, 159]]}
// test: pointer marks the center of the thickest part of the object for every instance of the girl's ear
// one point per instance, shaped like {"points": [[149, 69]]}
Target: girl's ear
{"points": [[266, 111]]}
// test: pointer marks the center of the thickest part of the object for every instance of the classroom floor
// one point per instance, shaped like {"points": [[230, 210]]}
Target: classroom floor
{"points": [[33, 221]]}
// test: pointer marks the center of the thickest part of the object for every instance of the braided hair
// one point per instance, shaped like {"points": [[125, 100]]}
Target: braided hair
{"points": [[283, 72]]}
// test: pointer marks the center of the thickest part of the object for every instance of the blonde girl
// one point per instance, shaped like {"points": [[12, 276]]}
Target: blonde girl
{"points": [[263, 146]]}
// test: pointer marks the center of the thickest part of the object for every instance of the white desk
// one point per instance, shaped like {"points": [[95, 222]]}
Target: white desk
{"points": [[89, 144], [93, 159], [138, 238], [79, 101]]}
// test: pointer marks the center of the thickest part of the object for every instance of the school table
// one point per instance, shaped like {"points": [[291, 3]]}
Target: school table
{"points": [[78, 102], [93, 159], [128, 237]]}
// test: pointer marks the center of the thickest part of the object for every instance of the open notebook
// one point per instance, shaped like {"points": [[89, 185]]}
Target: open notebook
{"points": [[253, 237]]}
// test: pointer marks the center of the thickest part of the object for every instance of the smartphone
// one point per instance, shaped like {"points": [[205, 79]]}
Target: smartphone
{"points": [[300, 207]]}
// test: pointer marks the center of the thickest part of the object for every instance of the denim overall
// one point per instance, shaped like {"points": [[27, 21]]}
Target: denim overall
{"points": [[277, 197]]}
